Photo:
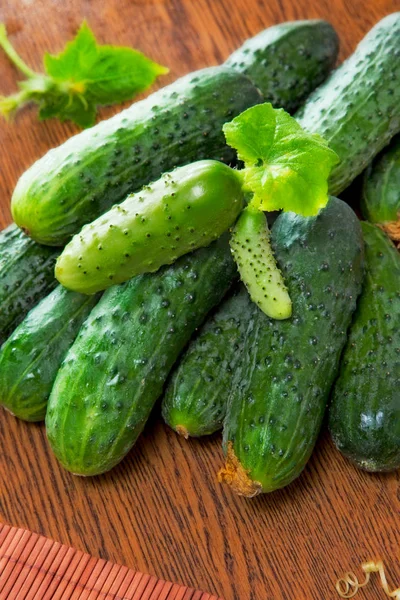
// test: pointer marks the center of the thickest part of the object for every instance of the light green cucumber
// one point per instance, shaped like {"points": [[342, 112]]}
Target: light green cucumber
{"points": [[250, 243], [184, 210]]}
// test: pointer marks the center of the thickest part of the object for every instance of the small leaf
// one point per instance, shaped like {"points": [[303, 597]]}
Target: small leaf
{"points": [[285, 167]]}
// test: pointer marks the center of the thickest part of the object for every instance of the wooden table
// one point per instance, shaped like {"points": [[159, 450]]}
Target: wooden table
{"points": [[162, 511]]}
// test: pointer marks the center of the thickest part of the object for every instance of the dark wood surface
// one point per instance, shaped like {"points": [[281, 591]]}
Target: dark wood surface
{"points": [[162, 511]]}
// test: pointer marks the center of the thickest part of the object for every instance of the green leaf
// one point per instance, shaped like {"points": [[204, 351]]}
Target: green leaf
{"points": [[285, 167], [80, 78], [102, 74]]}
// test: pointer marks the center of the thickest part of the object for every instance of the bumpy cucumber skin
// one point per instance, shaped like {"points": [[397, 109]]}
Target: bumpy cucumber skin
{"points": [[380, 202], [196, 397], [280, 392], [26, 276], [118, 365], [81, 179], [364, 416], [286, 62], [250, 244], [357, 109], [31, 357], [184, 210]]}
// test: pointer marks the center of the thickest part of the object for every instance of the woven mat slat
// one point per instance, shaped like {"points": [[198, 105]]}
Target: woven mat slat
{"points": [[33, 567]]}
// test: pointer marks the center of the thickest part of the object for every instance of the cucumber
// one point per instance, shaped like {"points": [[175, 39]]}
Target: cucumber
{"points": [[381, 191], [184, 210], [26, 276], [357, 109], [258, 269], [287, 61], [31, 357], [76, 182], [364, 416], [195, 400], [280, 391], [117, 367]]}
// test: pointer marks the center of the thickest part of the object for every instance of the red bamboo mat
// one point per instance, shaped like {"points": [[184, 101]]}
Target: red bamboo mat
{"points": [[33, 567]]}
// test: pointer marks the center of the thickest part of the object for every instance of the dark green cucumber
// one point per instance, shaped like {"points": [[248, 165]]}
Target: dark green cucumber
{"points": [[185, 209], [117, 367], [195, 400], [32, 355], [26, 276], [287, 61], [76, 182], [357, 109], [280, 391], [381, 191], [364, 417]]}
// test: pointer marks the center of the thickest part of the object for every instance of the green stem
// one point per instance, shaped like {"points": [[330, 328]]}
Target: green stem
{"points": [[10, 104], [12, 55]]}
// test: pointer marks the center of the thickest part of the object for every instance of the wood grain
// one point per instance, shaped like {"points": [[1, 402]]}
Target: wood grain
{"points": [[162, 511]]}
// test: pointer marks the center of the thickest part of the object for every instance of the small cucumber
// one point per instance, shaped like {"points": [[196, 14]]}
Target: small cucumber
{"points": [[196, 397], [81, 179], [31, 357], [364, 417], [258, 269], [118, 365], [26, 276], [357, 109], [287, 61], [184, 210], [280, 391], [381, 191]]}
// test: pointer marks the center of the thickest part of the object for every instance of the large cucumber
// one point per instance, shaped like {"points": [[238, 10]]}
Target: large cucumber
{"points": [[76, 182], [116, 369], [287, 61], [381, 191], [364, 416], [31, 357], [186, 209], [196, 397], [26, 276], [85, 176], [280, 392], [357, 109]]}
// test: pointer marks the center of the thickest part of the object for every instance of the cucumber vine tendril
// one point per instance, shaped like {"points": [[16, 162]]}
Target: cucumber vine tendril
{"points": [[348, 585]]}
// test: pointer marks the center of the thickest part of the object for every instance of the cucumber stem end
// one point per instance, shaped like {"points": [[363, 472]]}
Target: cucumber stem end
{"points": [[237, 477]]}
